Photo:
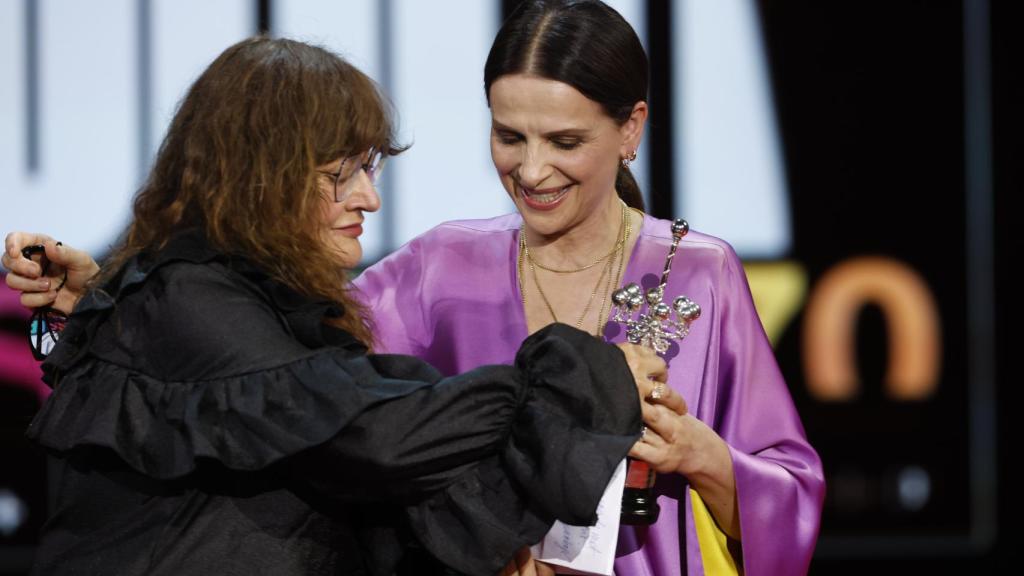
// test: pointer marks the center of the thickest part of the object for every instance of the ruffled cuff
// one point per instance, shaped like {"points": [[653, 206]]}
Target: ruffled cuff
{"points": [[579, 418]]}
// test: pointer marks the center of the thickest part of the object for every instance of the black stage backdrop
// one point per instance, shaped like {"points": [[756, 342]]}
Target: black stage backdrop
{"points": [[900, 136]]}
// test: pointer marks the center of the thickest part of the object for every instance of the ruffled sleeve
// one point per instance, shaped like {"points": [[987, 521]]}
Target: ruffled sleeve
{"points": [[580, 418], [487, 460], [198, 364]]}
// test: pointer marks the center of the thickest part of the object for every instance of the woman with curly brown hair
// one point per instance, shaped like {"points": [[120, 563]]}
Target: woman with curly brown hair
{"points": [[215, 408]]}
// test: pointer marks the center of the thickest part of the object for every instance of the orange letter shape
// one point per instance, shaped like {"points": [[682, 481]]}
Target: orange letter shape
{"points": [[912, 321]]}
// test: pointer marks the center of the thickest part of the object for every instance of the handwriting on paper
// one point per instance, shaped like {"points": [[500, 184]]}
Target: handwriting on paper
{"points": [[587, 549]]}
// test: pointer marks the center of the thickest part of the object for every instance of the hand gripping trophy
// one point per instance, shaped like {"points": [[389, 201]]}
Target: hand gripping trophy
{"points": [[654, 328]]}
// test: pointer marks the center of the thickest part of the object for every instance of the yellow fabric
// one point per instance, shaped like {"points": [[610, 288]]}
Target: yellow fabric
{"points": [[780, 292], [714, 544]]}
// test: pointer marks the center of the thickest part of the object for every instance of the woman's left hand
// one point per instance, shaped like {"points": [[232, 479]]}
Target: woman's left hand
{"points": [[674, 441]]}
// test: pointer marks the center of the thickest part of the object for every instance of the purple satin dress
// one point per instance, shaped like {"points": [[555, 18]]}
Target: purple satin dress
{"points": [[451, 297]]}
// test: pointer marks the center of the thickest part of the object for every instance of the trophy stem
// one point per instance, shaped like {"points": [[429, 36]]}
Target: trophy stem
{"points": [[653, 328], [679, 229]]}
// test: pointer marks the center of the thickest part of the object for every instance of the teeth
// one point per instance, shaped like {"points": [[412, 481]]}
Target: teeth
{"points": [[546, 198]]}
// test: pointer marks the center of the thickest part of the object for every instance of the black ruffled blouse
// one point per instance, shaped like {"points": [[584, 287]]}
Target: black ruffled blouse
{"points": [[207, 421]]}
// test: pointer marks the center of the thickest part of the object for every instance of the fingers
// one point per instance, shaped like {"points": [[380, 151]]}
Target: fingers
{"points": [[20, 265], [637, 350], [657, 368], [650, 373], [525, 562], [35, 291], [26, 274], [38, 299], [645, 387], [669, 398], [16, 241], [69, 257], [642, 451], [640, 357], [67, 274], [648, 412], [544, 569], [510, 569], [521, 565], [659, 419], [22, 283], [644, 364], [13, 259], [655, 446]]}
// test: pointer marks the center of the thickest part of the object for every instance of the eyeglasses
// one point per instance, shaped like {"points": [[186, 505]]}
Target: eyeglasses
{"points": [[345, 181], [46, 324]]}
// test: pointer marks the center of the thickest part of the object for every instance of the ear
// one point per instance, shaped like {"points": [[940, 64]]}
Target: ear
{"points": [[632, 130]]}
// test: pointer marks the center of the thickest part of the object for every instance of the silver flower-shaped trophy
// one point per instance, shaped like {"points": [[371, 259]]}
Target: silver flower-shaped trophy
{"points": [[654, 327]]}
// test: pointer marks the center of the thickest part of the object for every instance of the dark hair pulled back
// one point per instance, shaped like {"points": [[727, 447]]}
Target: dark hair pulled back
{"points": [[585, 44]]}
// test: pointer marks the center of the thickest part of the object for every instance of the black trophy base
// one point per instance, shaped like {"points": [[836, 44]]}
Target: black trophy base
{"points": [[639, 507]]}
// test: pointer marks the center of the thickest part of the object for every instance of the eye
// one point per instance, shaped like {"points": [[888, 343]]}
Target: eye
{"points": [[508, 138], [348, 169], [563, 144]]}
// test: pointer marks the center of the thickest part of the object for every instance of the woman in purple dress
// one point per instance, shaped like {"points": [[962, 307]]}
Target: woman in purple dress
{"points": [[739, 486]]}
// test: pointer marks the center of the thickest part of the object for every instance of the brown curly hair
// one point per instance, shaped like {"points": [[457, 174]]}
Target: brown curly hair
{"points": [[239, 162]]}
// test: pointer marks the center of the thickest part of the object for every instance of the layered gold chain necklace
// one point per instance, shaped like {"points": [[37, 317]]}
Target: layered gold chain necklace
{"points": [[616, 254]]}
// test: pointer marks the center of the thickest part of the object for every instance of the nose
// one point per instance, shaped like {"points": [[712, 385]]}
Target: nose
{"points": [[364, 194], [533, 168]]}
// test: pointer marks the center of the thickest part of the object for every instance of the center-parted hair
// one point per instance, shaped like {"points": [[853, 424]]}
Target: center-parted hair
{"points": [[585, 44], [240, 156]]}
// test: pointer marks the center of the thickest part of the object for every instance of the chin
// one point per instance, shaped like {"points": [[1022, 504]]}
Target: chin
{"points": [[350, 259], [348, 256]]}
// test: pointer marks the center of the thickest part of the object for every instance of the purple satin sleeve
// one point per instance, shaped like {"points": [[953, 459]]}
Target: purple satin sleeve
{"points": [[391, 291], [450, 296], [779, 479]]}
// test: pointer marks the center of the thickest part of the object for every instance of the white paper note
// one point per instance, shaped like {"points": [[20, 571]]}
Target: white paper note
{"points": [[587, 549]]}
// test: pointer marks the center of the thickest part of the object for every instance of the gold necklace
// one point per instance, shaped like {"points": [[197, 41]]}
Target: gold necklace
{"points": [[603, 312], [574, 270], [590, 300], [617, 253], [617, 247]]}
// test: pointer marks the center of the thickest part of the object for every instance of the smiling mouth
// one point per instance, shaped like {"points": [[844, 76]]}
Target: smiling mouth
{"points": [[545, 196]]}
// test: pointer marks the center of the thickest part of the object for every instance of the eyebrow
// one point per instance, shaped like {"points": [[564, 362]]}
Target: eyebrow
{"points": [[577, 132], [359, 161]]}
